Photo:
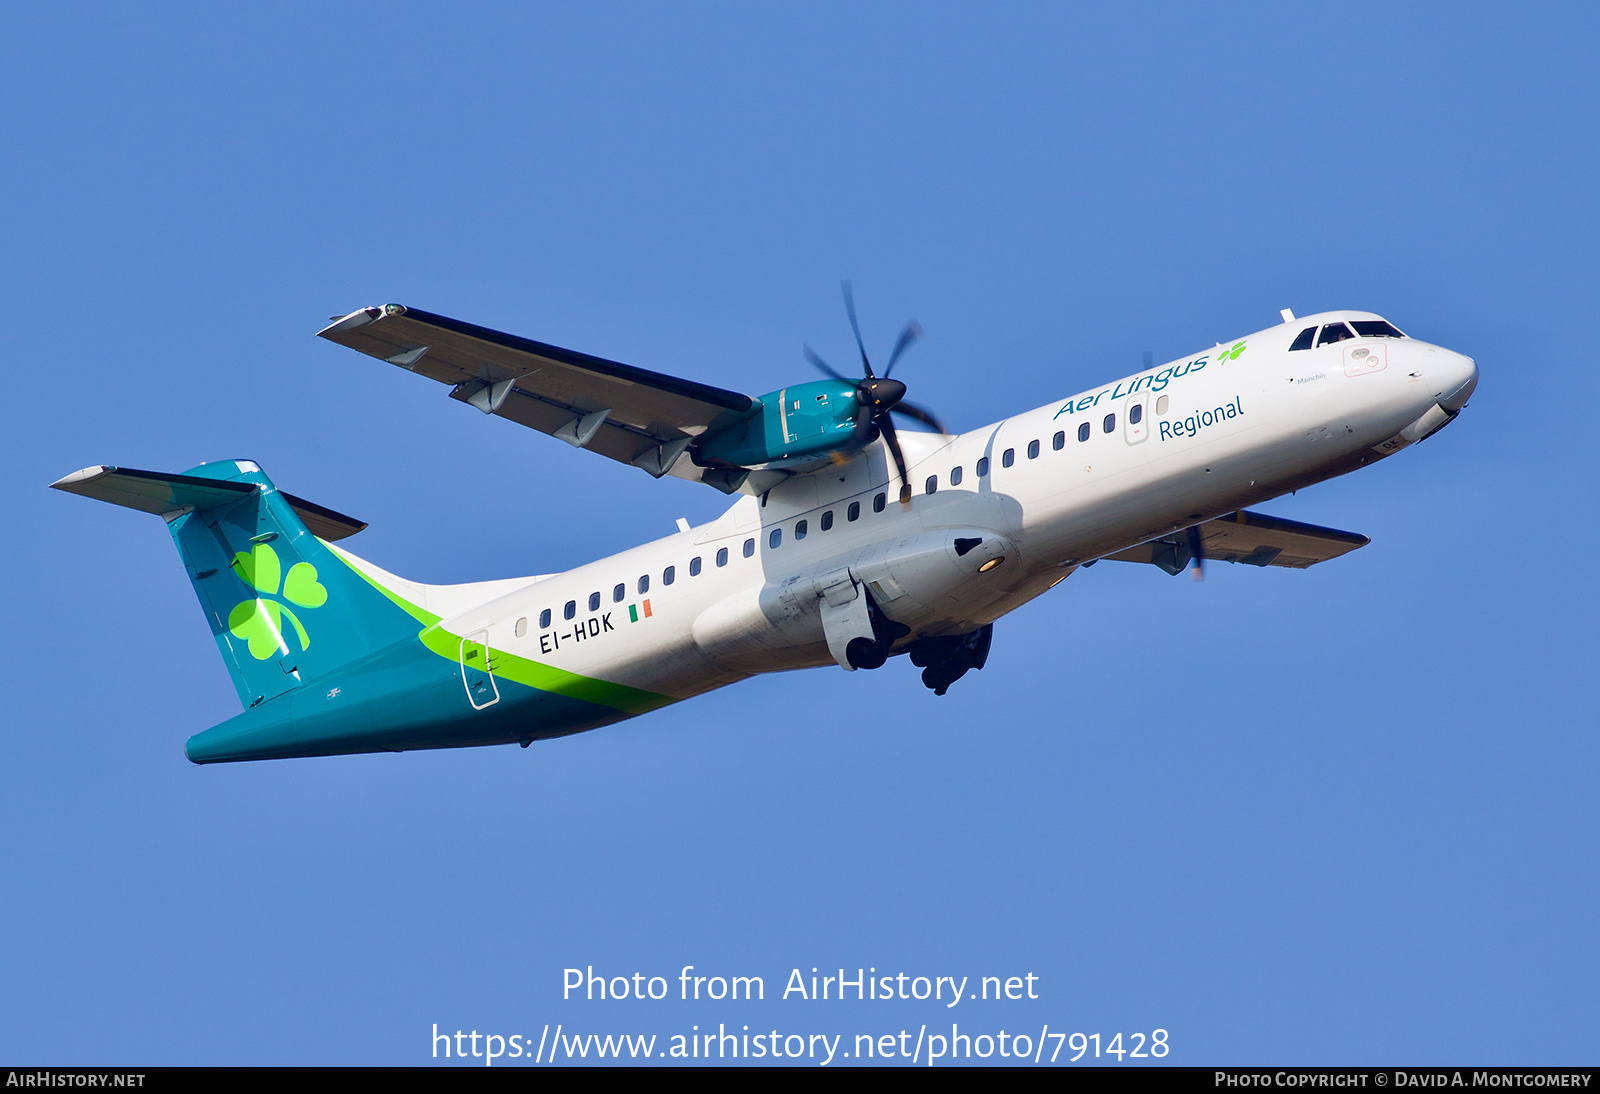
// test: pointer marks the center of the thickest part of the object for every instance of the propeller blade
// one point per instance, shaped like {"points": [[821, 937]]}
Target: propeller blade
{"points": [[1197, 555], [1149, 360], [886, 425], [811, 355], [863, 429], [908, 336], [850, 309], [912, 410]]}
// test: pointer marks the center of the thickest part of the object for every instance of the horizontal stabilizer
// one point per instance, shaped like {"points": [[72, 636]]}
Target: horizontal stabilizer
{"points": [[170, 496], [1254, 539]]}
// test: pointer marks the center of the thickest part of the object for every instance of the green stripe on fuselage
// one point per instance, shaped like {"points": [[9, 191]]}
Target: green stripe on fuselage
{"points": [[509, 666]]}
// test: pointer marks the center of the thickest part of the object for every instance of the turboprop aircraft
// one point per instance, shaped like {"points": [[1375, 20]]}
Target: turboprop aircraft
{"points": [[849, 542]]}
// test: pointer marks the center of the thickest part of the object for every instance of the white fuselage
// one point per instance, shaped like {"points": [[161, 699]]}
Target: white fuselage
{"points": [[1164, 449]]}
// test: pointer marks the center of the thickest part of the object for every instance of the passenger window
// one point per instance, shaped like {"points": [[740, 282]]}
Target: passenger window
{"points": [[1059, 441], [775, 538], [617, 594], [1083, 431], [694, 566], [827, 520], [594, 602], [644, 584], [800, 530], [1033, 450], [879, 501], [669, 575], [1136, 414], [1334, 332], [1008, 457], [955, 476], [854, 512], [570, 610], [1161, 405], [522, 626], [749, 547], [1304, 339], [722, 556], [1375, 328], [544, 619], [983, 467], [1110, 423], [932, 485]]}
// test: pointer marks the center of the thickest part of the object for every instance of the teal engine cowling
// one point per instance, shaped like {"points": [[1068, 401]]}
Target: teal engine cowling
{"points": [[798, 424]]}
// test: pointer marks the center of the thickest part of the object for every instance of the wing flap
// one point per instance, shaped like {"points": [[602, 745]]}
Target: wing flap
{"points": [[1253, 539]]}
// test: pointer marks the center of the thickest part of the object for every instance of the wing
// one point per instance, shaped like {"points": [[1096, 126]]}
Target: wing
{"points": [[634, 416], [1254, 539]]}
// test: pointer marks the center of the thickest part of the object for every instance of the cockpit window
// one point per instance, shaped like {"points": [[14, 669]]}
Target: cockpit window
{"points": [[1334, 332], [1305, 339], [1375, 328]]}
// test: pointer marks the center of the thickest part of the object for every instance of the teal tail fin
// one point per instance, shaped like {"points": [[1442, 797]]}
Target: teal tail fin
{"points": [[283, 607]]}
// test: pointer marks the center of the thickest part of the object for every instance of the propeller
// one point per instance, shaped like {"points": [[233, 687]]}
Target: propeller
{"points": [[1197, 555], [877, 397]]}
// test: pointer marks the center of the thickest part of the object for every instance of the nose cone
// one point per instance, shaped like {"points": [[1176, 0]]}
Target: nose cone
{"points": [[1452, 377]]}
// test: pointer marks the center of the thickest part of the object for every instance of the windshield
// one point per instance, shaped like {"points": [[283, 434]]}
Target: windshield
{"points": [[1334, 332], [1375, 328]]}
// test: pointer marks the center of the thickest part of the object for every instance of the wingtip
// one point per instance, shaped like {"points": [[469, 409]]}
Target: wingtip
{"points": [[94, 471], [358, 318]]}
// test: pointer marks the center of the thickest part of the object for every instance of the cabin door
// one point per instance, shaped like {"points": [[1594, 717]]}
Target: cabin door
{"points": [[1136, 419], [477, 671]]}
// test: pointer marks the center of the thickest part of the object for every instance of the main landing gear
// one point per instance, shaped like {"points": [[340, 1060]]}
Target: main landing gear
{"points": [[871, 653], [946, 659], [943, 660]]}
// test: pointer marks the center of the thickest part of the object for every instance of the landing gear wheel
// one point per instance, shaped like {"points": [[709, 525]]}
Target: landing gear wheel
{"points": [[944, 660], [939, 678], [864, 653]]}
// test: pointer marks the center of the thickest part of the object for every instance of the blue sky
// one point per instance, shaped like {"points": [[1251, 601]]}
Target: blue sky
{"points": [[1340, 816]]}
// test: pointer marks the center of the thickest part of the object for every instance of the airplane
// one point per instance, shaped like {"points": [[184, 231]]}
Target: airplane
{"points": [[849, 542]]}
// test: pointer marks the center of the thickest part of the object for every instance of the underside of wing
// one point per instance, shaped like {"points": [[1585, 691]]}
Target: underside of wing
{"points": [[1254, 539], [634, 416]]}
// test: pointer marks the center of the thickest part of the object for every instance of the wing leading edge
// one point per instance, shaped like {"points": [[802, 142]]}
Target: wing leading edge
{"points": [[634, 416]]}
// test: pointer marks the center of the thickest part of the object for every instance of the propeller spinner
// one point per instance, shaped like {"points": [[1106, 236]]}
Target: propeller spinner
{"points": [[877, 397]]}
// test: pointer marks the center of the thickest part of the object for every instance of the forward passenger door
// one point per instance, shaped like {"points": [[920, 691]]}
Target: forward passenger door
{"points": [[1136, 419]]}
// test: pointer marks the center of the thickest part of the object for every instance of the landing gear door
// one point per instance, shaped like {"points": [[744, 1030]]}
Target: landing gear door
{"points": [[1136, 419], [477, 671], [844, 615]]}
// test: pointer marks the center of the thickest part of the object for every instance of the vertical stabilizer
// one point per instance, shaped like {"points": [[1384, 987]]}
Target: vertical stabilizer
{"points": [[283, 608]]}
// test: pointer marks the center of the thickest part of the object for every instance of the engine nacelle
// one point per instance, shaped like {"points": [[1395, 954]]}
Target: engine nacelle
{"points": [[799, 424]]}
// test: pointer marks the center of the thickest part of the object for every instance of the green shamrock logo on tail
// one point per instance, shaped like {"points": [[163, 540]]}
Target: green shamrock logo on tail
{"points": [[260, 621]]}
